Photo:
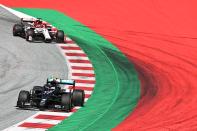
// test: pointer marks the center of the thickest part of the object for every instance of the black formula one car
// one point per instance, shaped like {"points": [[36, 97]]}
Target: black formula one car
{"points": [[52, 96], [37, 30]]}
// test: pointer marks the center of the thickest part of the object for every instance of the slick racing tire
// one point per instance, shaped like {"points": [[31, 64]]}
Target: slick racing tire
{"points": [[37, 92], [30, 35], [17, 30], [37, 89], [47, 40], [78, 97], [60, 36], [23, 97], [66, 102]]}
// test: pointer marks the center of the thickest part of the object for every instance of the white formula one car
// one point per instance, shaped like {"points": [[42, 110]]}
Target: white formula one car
{"points": [[36, 29]]}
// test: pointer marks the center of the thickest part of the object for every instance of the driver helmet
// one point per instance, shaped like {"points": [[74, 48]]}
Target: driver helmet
{"points": [[38, 21], [54, 82]]}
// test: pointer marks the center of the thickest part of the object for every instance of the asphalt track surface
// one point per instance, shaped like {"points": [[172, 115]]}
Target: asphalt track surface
{"points": [[160, 38], [22, 66]]}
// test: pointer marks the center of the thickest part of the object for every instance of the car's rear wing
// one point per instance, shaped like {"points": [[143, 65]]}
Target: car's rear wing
{"points": [[62, 81], [27, 20]]}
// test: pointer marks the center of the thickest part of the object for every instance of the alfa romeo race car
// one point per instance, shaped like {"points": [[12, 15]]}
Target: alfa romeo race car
{"points": [[36, 29], [52, 96]]}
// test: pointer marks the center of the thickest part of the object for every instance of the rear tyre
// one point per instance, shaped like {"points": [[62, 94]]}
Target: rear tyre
{"points": [[17, 30], [30, 35], [78, 97], [60, 36], [23, 97], [66, 102]]}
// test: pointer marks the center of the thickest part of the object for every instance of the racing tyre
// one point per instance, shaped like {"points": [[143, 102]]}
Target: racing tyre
{"points": [[66, 102], [30, 35], [23, 97], [47, 40], [60, 36], [78, 97], [37, 92], [17, 30]]}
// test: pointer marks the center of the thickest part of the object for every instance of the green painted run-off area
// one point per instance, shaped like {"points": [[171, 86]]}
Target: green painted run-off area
{"points": [[117, 88]]}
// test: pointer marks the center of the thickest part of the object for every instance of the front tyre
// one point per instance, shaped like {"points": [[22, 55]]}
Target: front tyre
{"points": [[37, 93], [60, 36], [24, 96], [47, 40], [30, 35]]}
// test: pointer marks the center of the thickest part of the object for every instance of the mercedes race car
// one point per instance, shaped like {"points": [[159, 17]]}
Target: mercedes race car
{"points": [[36, 29], [52, 96]]}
